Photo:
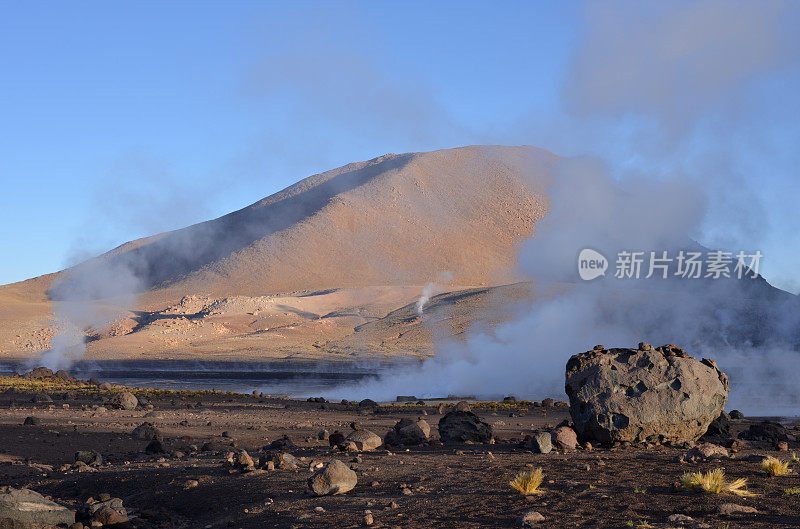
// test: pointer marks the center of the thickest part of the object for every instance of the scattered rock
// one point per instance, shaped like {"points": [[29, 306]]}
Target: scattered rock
{"points": [[41, 398], [540, 442], [680, 518], [89, 457], [284, 443], [463, 406], [362, 440], [730, 509], [334, 478], [241, 461], [644, 395], [28, 506], [32, 421], [108, 511], [461, 426], [408, 432], [125, 400], [323, 435], [39, 372], [531, 518], [706, 452], [336, 438], [105, 386], [548, 403], [146, 432], [565, 438], [367, 403], [766, 431], [720, 429], [283, 460], [783, 446], [156, 446]]}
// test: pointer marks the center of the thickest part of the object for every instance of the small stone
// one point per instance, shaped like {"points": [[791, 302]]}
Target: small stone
{"points": [[730, 509], [736, 415], [319, 509], [368, 519], [32, 421], [705, 452], [783, 446], [531, 518], [680, 518], [192, 483]]}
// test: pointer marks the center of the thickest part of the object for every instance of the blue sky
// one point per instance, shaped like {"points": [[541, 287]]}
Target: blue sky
{"points": [[122, 120]]}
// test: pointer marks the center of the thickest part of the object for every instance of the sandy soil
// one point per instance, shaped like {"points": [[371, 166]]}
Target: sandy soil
{"points": [[450, 486], [334, 325]]}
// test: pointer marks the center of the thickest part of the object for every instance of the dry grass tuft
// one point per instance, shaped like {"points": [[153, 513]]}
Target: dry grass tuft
{"points": [[775, 467], [713, 482], [528, 482]]}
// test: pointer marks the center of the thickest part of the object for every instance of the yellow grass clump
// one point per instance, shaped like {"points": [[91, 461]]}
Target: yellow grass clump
{"points": [[528, 482], [714, 482], [775, 467]]}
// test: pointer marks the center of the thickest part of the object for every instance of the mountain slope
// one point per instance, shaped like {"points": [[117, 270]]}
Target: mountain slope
{"points": [[396, 220]]}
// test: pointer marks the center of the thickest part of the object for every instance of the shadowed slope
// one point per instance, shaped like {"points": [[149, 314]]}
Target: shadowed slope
{"points": [[396, 219]]}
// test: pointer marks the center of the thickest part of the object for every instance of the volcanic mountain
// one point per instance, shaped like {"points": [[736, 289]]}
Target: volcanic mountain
{"points": [[375, 259], [303, 270]]}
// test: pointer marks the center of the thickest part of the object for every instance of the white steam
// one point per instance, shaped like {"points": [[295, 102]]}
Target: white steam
{"points": [[86, 298], [670, 91]]}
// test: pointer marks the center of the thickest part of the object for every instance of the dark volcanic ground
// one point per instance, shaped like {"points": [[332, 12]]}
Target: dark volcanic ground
{"points": [[450, 486]]}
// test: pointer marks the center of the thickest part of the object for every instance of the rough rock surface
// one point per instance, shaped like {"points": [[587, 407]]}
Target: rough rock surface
{"points": [[408, 432], [334, 478], [540, 442], [125, 400], [644, 395], [363, 440], [705, 452], [146, 432], [28, 506], [462, 426], [565, 438], [766, 431]]}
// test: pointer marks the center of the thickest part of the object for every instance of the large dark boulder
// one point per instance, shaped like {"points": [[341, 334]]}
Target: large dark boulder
{"points": [[463, 426], [659, 395], [766, 431], [407, 432]]}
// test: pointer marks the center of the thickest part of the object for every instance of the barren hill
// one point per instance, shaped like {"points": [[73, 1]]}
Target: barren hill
{"points": [[372, 233]]}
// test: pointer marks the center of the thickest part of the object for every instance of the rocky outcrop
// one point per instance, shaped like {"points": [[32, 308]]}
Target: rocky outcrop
{"points": [[657, 395]]}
